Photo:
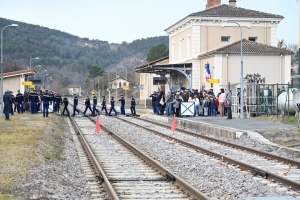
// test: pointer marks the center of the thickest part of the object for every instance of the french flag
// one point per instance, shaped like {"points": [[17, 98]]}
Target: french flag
{"points": [[207, 72]]}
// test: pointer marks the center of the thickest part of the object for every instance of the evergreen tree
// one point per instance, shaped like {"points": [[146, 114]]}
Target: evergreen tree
{"points": [[157, 52]]}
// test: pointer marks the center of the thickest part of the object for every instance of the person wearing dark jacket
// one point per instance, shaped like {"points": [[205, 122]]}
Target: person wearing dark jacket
{"points": [[132, 107], [122, 105], [46, 101], [95, 105], [58, 101], [7, 99], [87, 105], [34, 100], [103, 104], [154, 97], [112, 106], [20, 101], [161, 103], [13, 103], [66, 103], [75, 104]]}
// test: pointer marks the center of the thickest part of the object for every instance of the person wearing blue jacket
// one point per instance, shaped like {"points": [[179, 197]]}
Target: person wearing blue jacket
{"points": [[112, 106], [213, 106], [95, 105], [7, 99]]}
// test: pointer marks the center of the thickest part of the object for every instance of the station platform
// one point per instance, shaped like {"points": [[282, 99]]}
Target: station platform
{"points": [[230, 128]]}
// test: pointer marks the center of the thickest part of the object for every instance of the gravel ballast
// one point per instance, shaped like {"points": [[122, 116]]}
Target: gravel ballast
{"points": [[206, 174]]}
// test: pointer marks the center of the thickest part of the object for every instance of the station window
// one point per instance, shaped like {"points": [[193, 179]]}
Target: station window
{"points": [[225, 39], [253, 39], [124, 84]]}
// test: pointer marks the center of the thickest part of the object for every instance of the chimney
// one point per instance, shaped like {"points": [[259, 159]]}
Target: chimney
{"points": [[232, 3], [211, 3]]}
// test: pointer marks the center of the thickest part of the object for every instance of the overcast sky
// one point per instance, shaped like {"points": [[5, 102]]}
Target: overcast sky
{"points": [[121, 20]]}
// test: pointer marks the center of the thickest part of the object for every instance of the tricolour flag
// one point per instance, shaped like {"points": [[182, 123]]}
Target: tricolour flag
{"points": [[207, 72]]}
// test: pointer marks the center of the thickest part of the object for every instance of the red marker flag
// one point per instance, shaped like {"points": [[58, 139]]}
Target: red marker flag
{"points": [[173, 127], [97, 127]]}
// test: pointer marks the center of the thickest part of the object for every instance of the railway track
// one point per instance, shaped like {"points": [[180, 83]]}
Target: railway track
{"points": [[124, 171], [261, 163]]}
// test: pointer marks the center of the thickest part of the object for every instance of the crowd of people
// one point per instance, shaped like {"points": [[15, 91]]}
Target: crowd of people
{"points": [[40, 101], [35, 102], [206, 103]]}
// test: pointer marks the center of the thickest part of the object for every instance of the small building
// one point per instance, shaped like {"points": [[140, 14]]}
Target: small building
{"points": [[119, 82], [13, 80], [75, 89]]}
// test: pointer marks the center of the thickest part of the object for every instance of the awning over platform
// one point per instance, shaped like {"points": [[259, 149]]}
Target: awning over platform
{"points": [[183, 68]]}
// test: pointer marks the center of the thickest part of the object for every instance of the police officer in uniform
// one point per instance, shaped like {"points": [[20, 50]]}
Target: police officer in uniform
{"points": [[87, 105], [13, 103], [58, 102], [20, 101], [34, 99], [132, 107], [112, 106], [104, 105], [66, 103], [75, 104], [95, 105], [46, 100], [7, 99], [122, 105]]}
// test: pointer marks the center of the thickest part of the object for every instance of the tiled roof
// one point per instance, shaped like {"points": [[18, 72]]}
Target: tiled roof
{"points": [[20, 72], [119, 78], [249, 47], [227, 11], [153, 62]]}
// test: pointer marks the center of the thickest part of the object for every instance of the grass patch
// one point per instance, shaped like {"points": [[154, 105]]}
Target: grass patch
{"points": [[6, 197], [23, 146]]}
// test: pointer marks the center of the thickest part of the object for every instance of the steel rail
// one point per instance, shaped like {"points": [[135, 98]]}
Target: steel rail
{"points": [[189, 189], [101, 175], [255, 170], [230, 144], [233, 145]]}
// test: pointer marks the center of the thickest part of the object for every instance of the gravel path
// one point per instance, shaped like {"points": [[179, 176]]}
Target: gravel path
{"points": [[206, 174], [56, 178]]}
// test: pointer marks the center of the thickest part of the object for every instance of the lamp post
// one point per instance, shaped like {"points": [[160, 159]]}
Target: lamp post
{"points": [[241, 75], [48, 80], [36, 58], [1, 70], [148, 89], [44, 80], [42, 73], [108, 85], [98, 86], [127, 86], [37, 67]]}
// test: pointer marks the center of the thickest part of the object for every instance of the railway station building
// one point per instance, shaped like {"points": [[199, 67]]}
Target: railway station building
{"points": [[206, 43], [13, 80]]}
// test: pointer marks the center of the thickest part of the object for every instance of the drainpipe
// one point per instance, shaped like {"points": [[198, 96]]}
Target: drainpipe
{"points": [[280, 69], [266, 33], [227, 68]]}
